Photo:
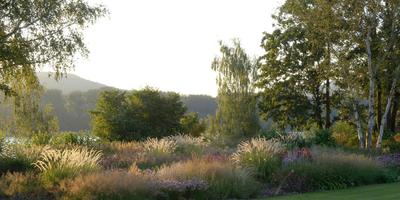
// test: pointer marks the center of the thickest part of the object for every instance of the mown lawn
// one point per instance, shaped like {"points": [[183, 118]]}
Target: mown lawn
{"points": [[378, 192]]}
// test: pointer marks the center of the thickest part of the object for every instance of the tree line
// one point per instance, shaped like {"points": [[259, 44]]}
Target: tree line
{"points": [[71, 112]]}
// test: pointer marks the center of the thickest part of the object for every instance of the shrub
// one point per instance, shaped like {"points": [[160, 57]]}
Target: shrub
{"points": [[392, 144], [137, 114], [189, 145], [57, 165], [293, 140], [21, 186], [75, 138], [396, 137], [345, 134], [192, 125], [322, 137], [331, 169], [41, 138], [224, 179]]}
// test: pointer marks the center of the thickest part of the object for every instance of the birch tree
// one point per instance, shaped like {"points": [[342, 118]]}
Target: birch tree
{"points": [[236, 116]]}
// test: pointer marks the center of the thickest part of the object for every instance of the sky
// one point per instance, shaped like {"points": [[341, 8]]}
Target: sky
{"points": [[169, 45]]}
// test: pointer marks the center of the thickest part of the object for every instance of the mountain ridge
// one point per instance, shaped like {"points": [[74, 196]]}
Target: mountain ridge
{"points": [[68, 84]]}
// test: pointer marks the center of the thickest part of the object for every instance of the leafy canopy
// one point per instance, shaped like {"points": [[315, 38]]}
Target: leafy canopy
{"points": [[38, 33]]}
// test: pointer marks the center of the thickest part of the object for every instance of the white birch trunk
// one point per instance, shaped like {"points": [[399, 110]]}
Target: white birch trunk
{"points": [[384, 117], [360, 133], [371, 71]]}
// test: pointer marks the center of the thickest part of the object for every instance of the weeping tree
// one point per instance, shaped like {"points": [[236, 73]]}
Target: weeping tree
{"points": [[236, 116], [28, 116]]}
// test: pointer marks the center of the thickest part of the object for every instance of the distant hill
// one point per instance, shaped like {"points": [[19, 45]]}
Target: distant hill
{"points": [[204, 105], [68, 84]]}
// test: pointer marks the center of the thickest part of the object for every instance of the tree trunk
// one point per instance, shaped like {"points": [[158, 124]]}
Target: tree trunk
{"points": [[371, 71], [360, 133], [318, 112], [328, 105], [384, 117], [379, 106], [395, 108], [327, 89]]}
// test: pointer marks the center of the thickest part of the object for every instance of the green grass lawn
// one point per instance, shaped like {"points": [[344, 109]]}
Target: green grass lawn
{"points": [[372, 192]]}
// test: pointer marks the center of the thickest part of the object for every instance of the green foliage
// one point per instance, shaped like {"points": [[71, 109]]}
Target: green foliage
{"points": [[297, 63], [29, 117], [75, 138], [137, 114], [265, 156], [41, 33], [236, 117], [345, 134], [330, 170], [322, 137], [41, 138], [191, 125], [392, 144]]}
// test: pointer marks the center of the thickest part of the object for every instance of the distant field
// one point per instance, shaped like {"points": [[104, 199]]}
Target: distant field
{"points": [[374, 192]]}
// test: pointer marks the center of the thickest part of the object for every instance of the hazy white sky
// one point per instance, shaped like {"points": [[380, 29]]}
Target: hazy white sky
{"points": [[170, 44]]}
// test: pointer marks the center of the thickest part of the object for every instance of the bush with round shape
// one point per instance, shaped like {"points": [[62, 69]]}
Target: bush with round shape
{"points": [[345, 134]]}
